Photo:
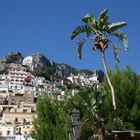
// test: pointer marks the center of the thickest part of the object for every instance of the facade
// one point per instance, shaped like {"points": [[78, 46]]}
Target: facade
{"points": [[84, 80], [19, 116], [74, 80], [6, 130], [19, 91], [28, 61], [15, 80], [19, 77], [24, 129], [4, 83], [4, 88]]}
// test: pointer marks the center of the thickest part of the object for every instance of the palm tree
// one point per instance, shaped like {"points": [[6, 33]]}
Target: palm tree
{"points": [[99, 31]]}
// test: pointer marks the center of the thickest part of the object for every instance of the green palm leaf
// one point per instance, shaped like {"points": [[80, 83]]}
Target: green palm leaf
{"points": [[103, 14], [81, 29], [88, 18], [123, 38], [92, 23], [94, 28], [102, 19], [114, 26], [79, 48], [105, 28], [116, 50]]}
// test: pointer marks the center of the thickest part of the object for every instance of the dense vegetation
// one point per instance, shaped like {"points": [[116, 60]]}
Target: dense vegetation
{"points": [[127, 88], [53, 121]]}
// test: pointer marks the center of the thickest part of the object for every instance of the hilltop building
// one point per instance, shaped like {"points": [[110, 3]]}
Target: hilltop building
{"points": [[28, 61]]}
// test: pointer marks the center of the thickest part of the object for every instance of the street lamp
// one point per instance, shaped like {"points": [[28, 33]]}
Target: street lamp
{"points": [[75, 114], [75, 132]]}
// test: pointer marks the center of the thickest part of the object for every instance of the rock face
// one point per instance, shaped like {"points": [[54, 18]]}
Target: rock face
{"points": [[64, 70], [43, 64], [13, 57], [10, 58], [42, 61]]}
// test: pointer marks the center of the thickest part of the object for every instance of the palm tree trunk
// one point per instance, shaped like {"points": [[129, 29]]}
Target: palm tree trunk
{"points": [[108, 80]]}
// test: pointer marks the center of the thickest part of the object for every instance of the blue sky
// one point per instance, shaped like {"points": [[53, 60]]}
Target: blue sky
{"points": [[44, 26]]}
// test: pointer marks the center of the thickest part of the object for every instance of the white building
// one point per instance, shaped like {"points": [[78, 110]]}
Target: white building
{"points": [[74, 80], [22, 137], [89, 80], [6, 130], [84, 80], [4, 88], [3, 77], [28, 61], [18, 79], [39, 81], [94, 78]]}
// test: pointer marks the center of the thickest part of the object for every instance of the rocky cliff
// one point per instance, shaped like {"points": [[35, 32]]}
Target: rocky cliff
{"points": [[45, 65]]}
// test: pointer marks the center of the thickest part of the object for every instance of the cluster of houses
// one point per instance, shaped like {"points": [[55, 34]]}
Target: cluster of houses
{"points": [[19, 90]]}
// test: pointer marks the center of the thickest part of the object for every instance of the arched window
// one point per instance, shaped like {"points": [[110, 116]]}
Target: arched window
{"points": [[16, 119]]}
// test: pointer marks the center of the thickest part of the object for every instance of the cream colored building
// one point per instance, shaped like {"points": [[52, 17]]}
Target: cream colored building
{"points": [[6, 130], [19, 116], [17, 120], [23, 129]]}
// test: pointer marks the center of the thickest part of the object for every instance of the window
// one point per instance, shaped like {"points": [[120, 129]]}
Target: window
{"points": [[28, 127], [16, 119], [24, 110], [8, 132], [29, 95]]}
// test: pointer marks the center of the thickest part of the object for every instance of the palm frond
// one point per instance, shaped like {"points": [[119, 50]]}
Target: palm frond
{"points": [[102, 22], [114, 26], [88, 18], [123, 38], [89, 102], [94, 28], [103, 14], [105, 28], [116, 50], [81, 29], [92, 23], [102, 19], [79, 48]]}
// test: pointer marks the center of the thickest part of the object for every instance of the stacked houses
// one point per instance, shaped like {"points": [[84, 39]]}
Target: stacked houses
{"points": [[19, 90]]}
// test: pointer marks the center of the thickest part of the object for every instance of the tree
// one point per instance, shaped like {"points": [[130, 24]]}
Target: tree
{"points": [[92, 99], [52, 120], [53, 116], [99, 31], [127, 89]]}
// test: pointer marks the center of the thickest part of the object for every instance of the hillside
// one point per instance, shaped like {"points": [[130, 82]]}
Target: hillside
{"points": [[44, 66]]}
